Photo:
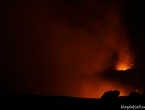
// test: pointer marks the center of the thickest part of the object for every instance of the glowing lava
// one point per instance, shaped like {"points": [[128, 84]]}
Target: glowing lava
{"points": [[124, 63]]}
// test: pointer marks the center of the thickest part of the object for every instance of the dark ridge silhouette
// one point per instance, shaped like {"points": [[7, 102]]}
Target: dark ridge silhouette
{"points": [[110, 94], [109, 100], [134, 94]]}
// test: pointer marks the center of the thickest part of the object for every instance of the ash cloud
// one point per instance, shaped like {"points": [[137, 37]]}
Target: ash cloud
{"points": [[62, 46]]}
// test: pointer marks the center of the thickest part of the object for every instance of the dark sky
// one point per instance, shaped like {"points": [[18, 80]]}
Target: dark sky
{"points": [[134, 21], [57, 47]]}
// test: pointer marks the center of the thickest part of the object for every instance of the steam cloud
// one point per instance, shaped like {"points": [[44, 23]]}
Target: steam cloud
{"points": [[63, 46]]}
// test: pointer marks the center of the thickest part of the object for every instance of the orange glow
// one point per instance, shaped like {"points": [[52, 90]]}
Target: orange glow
{"points": [[124, 63], [93, 89], [122, 93]]}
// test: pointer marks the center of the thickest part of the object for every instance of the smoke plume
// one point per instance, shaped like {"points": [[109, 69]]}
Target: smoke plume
{"points": [[62, 46]]}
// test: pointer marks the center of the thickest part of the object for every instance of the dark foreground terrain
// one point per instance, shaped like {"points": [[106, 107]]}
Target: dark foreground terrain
{"points": [[24, 101]]}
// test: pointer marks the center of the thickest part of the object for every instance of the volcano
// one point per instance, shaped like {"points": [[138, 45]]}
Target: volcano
{"points": [[131, 77]]}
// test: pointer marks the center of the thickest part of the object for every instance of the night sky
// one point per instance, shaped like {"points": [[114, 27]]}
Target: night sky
{"points": [[59, 47]]}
